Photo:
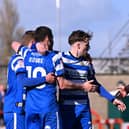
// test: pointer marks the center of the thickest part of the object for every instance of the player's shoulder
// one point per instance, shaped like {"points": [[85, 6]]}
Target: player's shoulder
{"points": [[67, 53], [15, 57], [15, 61], [18, 57], [53, 53]]}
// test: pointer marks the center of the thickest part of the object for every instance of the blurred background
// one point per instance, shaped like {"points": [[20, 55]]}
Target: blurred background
{"points": [[108, 20]]}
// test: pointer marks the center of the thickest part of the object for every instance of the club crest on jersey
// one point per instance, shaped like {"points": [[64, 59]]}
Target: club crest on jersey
{"points": [[20, 64]]}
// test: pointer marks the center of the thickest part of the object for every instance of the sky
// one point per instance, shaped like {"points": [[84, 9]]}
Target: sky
{"points": [[104, 18]]}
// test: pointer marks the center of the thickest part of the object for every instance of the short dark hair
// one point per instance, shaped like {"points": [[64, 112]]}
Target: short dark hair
{"points": [[79, 35], [28, 35], [43, 31]]}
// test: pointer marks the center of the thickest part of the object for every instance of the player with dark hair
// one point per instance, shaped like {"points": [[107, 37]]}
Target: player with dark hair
{"points": [[74, 104], [14, 116], [41, 32], [41, 104]]}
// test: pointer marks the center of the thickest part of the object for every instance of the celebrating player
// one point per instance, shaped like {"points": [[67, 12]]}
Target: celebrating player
{"points": [[41, 105], [14, 115], [74, 104]]}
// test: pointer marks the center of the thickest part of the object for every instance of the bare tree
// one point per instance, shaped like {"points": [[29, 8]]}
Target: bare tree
{"points": [[9, 29]]}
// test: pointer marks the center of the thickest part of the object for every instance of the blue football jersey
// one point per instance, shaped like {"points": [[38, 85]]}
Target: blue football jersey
{"points": [[76, 70], [15, 90], [42, 96], [79, 70]]}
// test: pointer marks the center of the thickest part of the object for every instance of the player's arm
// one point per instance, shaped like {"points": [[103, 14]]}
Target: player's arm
{"points": [[66, 84], [20, 49], [104, 93], [21, 73], [20, 70], [99, 88], [33, 82], [15, 46]]}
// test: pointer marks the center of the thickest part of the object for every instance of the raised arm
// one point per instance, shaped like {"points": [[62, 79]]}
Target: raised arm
{"points": [[15, 46]]}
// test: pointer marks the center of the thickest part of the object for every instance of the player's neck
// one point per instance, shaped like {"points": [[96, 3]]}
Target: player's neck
{"points": [[74, 53]]}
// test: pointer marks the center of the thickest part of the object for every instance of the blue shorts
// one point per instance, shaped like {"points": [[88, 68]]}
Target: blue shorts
{"points": [[14, 120], [49, 120], [76, 116]]}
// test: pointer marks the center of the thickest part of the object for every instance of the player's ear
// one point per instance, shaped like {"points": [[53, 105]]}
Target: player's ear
{"points": [[78, 45]]}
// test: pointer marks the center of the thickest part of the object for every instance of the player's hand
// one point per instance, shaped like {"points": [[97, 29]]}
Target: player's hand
{"points": [[15, 45], [50, 78], [122, 91], [88, 86], [120, 105]]}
